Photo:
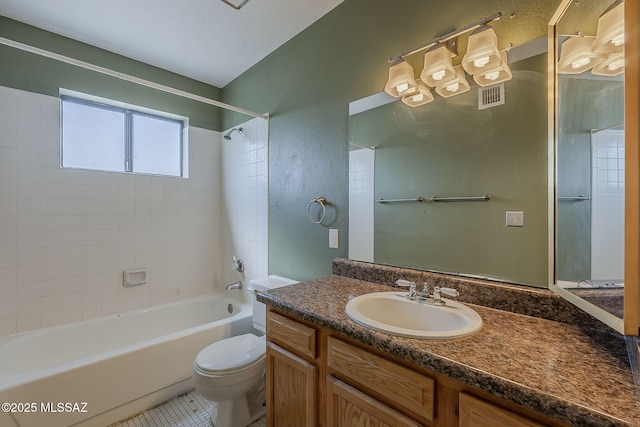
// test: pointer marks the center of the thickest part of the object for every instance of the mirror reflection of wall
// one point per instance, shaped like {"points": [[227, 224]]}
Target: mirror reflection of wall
{"points": [[590, 154], [451, 148]]}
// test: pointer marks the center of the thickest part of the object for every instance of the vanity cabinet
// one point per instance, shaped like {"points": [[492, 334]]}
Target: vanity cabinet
{"points": [[318, 378]]}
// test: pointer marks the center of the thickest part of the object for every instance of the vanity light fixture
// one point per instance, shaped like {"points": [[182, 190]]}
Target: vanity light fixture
{"points": [[495, 75], [610, 33], [456, 86], [482, 51], [421, 96], [438, 68], [577, 55], [483, 58], [401, 79], [612, 66]]}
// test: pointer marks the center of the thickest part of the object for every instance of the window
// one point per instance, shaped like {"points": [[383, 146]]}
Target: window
{"points": [[115, 138]]}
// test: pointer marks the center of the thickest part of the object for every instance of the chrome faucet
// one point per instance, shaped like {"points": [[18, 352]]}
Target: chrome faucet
{"points": [[236, 285]]}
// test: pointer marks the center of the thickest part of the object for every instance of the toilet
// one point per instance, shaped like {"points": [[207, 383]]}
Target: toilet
{"points": [[231, 372]]}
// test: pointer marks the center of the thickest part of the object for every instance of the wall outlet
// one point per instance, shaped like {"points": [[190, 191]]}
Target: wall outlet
{"points": [[515, 219], [333, 238]]}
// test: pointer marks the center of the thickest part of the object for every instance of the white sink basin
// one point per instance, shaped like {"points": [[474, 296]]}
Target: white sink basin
{"points": [[392, 313]]}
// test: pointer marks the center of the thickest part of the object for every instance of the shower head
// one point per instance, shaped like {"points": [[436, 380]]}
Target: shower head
{"points": [[228, 135]]}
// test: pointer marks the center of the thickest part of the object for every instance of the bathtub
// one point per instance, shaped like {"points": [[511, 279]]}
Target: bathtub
{"points": [[99, 371]]}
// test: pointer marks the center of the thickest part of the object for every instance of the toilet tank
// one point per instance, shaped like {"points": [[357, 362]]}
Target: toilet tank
{"points": [[264, 284]]}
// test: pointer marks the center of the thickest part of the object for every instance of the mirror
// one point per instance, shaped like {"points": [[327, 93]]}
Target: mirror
{"points": [[455, 150], [594, 126], [590, 158]]}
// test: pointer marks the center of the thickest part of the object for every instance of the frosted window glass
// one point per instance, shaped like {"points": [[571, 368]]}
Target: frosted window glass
{"points": [[92, 137], [157, 145]]}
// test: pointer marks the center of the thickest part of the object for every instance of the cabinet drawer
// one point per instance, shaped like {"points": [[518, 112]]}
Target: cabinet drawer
{"points": [[347, 406], [291, 335], [475, 412], [392, 383]]}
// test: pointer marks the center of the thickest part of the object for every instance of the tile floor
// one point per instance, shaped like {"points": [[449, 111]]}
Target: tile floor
{"points": [[186, 410]]}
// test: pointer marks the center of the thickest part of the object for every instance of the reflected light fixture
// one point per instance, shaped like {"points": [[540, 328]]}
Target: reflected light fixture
{"points": [[482, 51], [421, 96], [610, 33], [495, 75], [482, 58], [401, 79], [577, 56], [456, 86], [612, 66], [438, 68]]}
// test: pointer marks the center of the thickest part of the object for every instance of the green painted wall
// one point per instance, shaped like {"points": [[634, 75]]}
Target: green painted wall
{"points": [[30, 72], [449, 148], [585, 104], [307, 84]]}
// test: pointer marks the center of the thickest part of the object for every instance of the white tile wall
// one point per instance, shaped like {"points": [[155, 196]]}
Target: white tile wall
{"points": [[607, 205], [361, 195], [245, 213], [67, 235]]}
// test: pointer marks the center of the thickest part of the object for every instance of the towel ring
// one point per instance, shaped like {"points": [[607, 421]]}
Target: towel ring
{"points": [[320, 201]]}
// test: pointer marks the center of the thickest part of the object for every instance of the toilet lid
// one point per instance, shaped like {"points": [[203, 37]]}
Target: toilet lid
{"points": [[231, 353]]}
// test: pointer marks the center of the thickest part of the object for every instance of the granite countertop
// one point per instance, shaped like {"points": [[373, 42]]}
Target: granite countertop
{"points": [[577, 376]]}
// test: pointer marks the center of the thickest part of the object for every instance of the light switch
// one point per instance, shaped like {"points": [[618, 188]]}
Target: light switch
{"points": [[333, 238], [515, 219]]}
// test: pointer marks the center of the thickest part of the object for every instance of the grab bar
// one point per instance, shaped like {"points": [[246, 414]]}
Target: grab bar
{"points": [[417, 199], [482, 198], [574, 198]]}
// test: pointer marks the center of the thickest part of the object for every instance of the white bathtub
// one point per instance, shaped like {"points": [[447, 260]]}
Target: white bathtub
{"points": [[100, 371]]}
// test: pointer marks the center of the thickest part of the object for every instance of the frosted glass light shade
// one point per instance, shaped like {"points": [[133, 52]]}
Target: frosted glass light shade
{"points": [[612, 66], [456, 86], [610, 33], [422, 96], [499, 74], [482, 51], [401, 79], [438, 68], [576, 55]]}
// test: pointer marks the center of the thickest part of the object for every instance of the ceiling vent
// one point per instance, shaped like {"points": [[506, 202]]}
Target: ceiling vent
{"points": [[490, 96]]}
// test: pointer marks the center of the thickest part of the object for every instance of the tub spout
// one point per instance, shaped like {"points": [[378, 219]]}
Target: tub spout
{"points": [[236, 285]]}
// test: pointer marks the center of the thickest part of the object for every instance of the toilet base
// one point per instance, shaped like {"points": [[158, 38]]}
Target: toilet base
{"points": [[242, 411]]}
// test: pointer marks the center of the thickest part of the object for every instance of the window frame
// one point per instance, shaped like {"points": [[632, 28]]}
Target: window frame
{"points": [[129, 111]]}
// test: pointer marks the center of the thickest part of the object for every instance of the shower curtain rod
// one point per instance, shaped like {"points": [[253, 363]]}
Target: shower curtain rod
{"points": [[127, 77]]}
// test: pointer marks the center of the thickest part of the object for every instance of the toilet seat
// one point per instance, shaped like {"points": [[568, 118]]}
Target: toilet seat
{"points": [[231, 355]]}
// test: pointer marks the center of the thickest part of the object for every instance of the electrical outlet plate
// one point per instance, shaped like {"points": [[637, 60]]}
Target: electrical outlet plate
{"points": [[333, 238], [515, 219]]}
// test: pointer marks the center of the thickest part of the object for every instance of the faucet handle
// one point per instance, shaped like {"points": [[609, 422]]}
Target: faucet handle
{"points": [[411, 285], [450, 291]]}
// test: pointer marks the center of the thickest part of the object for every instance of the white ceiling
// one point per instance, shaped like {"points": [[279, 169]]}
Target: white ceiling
{"points": [[206, 40]]}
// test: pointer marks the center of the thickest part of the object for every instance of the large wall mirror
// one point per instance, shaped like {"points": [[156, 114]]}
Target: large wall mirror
{"points": [[454, 149], [595, 164]]}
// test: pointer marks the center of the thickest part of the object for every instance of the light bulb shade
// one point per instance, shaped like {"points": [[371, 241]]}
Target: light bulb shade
{"points": [[482, 51], [437, 66], [610, 33], [496, 75], [456, 86], [401, 79], [421, 96], [612, 66], [576, 55]]}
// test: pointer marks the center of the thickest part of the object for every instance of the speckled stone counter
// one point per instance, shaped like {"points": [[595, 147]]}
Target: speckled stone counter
{"points": [[578, 376]]}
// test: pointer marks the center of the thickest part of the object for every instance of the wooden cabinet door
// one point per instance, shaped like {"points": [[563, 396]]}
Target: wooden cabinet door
{"points": [[478, 413], [291, 389], [347, 406]]}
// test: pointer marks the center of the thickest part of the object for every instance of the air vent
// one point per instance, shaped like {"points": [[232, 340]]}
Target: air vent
{"points": [[490, 96]]}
